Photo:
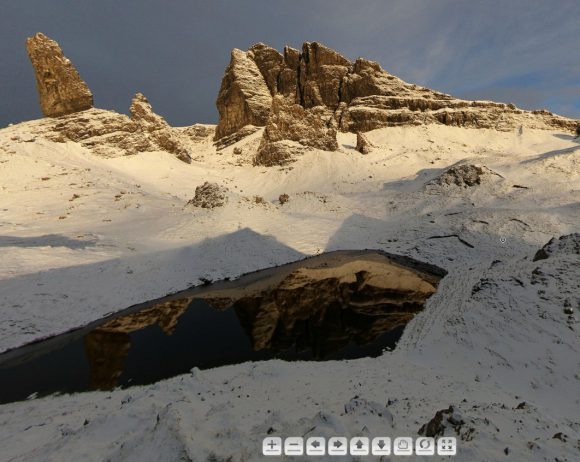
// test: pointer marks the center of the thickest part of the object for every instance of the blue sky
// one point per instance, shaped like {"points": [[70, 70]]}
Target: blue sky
{"points": [[175, 52]]}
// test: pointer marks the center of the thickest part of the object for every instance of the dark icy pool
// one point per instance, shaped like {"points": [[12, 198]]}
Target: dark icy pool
{"points": [[339, 305]]}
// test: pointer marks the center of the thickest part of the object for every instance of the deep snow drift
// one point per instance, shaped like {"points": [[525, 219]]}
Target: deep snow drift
{"points": [[82, 236]]}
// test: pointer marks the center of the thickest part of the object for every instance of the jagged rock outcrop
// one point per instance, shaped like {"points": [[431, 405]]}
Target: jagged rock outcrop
{"points": [[209, 195], [321, 73], [291, 122], [109, 134], [353, 97], [142, 113], [363, 145], [105, 133], [60, 87], [162, 134], [464, 175], [269, 62], [244, 97]]}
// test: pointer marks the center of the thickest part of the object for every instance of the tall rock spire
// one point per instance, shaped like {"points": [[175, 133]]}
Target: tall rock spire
{"points": [[60, 87]]}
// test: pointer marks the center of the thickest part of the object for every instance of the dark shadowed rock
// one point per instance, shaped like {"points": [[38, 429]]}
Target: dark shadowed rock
{"points": [[568, 244], [61, 89], [445, 418]]}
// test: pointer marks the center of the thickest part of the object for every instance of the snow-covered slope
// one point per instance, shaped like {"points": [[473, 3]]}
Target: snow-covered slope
{"points": [[82, 236]]}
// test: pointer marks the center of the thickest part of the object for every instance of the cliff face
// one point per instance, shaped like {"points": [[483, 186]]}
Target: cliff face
{"points": [[352, 96], [61, 89]]}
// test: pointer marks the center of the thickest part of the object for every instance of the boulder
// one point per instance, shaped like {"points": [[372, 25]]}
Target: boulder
{"points": [[244, 97], [443, 419], [464, 175], [209, 195], [363, 145], [60, 87]]}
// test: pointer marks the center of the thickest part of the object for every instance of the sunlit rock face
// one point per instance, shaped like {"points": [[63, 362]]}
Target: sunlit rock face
{"points": [[324, 309], [291, 122], [244, 97], [352, 96], [60, 87]]}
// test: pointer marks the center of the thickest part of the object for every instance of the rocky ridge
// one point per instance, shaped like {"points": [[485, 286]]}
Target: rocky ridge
{"points": [[67, 100], [352, 96]]}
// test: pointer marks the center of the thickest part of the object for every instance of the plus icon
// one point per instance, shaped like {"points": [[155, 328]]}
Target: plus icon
{"points": [[272, 446]]}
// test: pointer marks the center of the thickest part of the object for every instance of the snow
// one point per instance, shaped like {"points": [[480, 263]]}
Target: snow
{"points": [[493, 336]]}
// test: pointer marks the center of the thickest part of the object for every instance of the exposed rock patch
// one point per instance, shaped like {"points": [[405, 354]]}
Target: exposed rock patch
{"points": [[198, 132], [443, 419], [242, 133], [568, 244], [291, 122], [465, 175], [60, 87], [209, 195], [162, 134]]}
